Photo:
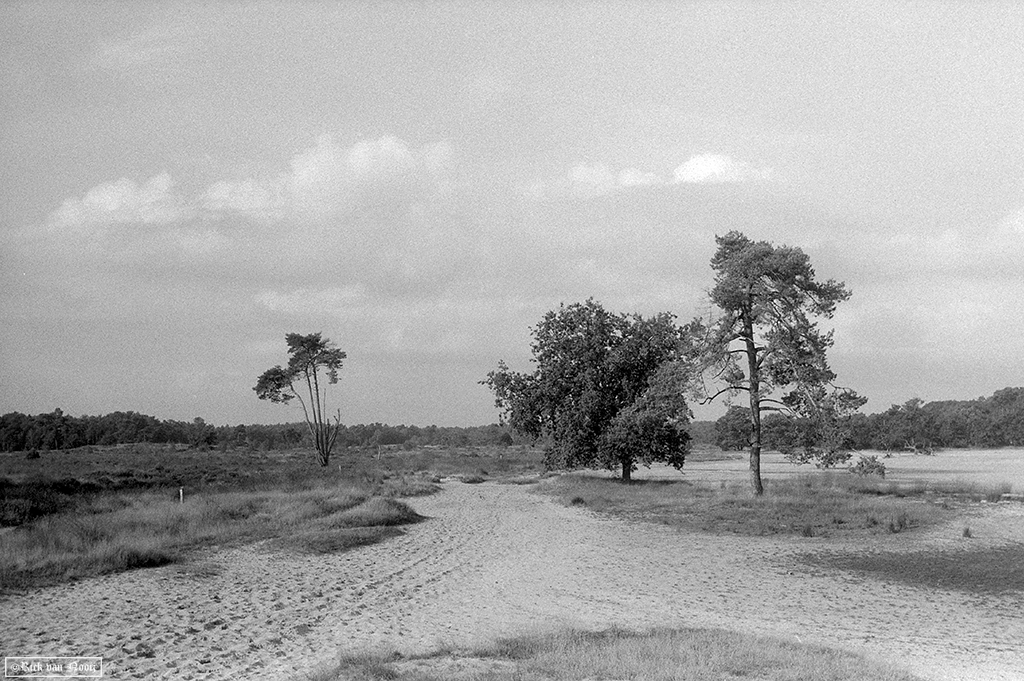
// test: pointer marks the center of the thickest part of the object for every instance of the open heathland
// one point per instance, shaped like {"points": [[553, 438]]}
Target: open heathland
{"points": [[493, 561], [100, 510]]}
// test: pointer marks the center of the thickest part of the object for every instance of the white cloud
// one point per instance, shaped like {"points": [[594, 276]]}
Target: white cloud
{"points": [[123, 202], [247, 197], [311, 301], [1012, 224], [716, 168], [329, 178], [326, 179], [144, 48], [631, 177], [589, 181]]}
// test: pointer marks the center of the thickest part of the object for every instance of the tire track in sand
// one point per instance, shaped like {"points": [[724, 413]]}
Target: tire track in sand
{"points": [[495, 560]]}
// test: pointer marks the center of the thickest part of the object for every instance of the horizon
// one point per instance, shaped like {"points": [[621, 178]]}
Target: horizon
{"points": [[421, 182]]}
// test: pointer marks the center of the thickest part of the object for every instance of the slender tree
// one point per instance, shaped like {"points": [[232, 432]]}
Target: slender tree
{"points": [[765, 341], [313, 363]]}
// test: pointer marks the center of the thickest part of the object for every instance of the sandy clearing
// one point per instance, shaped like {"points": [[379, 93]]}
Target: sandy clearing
{"points": [[499, 560], [981, 466]]}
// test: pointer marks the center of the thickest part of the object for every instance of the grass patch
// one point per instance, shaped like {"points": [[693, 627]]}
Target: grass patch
{"points": [[660, 655], [996, 570], [948, 491], [820, 504], [148, 530], [97, 510]]}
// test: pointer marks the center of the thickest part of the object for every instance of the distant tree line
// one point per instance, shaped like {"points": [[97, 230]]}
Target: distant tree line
{"points": [[995, 421], [57, 430]]}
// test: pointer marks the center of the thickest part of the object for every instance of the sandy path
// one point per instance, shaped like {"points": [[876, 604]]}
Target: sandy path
{"points": [[499, 560]]}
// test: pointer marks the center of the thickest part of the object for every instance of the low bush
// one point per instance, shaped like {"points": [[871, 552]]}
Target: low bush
{"points": [[868, 465]]}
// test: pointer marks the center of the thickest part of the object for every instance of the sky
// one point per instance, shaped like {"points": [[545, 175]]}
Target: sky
{"points": [[184, 183]]}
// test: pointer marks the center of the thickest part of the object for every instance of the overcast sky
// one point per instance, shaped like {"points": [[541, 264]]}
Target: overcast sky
{"points": [[184, 183]]}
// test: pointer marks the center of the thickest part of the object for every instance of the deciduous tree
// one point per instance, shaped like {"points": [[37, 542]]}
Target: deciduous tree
{"points": [[765, 341], [313, 363], [608, 389]]}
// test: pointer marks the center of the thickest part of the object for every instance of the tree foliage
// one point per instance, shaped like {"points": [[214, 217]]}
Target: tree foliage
{"points": [[732, 429], [313, 363], [608, 389], [766, 341]]}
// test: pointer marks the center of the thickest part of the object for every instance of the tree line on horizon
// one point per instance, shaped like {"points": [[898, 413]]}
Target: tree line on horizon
{"points": [[984, 422], [915, 426], [56, 430]]}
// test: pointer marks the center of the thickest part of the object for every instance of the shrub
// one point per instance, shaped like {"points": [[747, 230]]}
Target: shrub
{"points": [[869, 465], [899, 522]]}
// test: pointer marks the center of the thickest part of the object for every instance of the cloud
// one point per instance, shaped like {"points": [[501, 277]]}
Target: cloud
{"points": [[631, 177], [331, 301], [1012, 223], [716, 168], [590, 180], [123, 202], [597, 179], [266, 200], [328, 178], [156, 45]]}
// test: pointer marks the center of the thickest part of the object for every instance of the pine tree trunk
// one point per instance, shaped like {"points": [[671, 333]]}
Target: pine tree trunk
{"points": [[754, 373]]}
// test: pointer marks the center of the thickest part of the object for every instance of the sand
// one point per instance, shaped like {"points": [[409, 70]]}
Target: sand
{"points": [[496, 560]]}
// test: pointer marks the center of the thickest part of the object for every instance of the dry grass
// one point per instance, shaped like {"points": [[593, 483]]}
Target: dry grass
{"points": [[660, 655], [99, 510], [143, 530], [824, 503]]}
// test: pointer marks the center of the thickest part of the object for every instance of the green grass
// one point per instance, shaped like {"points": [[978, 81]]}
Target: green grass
{"points": [[995, 570], [659, 655], [820, 504]]}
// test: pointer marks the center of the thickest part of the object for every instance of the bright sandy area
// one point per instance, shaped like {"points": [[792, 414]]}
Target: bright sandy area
{"points": [[496, 560]]}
